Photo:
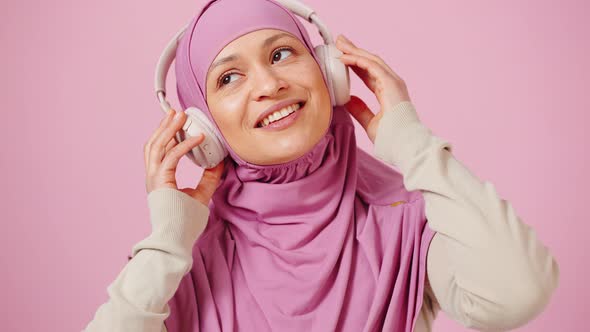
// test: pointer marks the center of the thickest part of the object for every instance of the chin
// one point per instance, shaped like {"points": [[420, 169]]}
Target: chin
{"points": [[284, 153], [286, 156], [288, 145]]}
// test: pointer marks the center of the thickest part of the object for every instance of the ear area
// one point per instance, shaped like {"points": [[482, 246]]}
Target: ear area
{"points": [[336, 72], [211, 151]]}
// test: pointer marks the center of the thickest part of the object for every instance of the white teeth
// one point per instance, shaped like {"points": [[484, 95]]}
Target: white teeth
{"points": [[279, 114]]}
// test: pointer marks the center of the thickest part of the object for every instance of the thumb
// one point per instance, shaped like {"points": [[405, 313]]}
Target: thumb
{"points": [[207, 184], [360, 111]]}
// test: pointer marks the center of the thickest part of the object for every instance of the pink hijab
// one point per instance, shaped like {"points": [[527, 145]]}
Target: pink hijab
{"points": [[314, 244]]}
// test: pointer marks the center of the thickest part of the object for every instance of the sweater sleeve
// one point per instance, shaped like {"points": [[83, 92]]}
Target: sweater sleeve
{"points": [[138, 298], [488, 270]]}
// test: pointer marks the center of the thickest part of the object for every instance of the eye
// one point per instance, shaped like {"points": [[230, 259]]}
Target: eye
{"points": [[288, 49], [222, 80]]}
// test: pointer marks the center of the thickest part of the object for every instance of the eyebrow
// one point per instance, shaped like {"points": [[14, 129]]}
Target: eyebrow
{"points": [[265, 43]]}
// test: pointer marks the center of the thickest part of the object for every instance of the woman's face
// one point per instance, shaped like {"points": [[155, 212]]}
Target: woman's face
{"points": [[270, 67]]}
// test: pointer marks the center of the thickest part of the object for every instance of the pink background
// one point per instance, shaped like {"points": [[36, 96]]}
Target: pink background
{"points": [[503, 81]]}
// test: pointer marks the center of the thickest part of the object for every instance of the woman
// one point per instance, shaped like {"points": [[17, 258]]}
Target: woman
{"points": [[299, 230]]}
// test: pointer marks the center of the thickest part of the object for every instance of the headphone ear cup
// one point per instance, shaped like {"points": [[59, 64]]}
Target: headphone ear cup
{"points": [[211, 151], [336, 72]]}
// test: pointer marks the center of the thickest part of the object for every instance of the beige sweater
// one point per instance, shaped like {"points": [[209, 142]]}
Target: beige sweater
{"points": [[486, 268]]}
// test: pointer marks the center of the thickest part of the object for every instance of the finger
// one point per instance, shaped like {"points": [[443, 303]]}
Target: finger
{"points": [[208, 183], [360, 111], [360, 72], [163, 123], [172, 158], [214, 174], [211, 177], [366, 69], [148, 145], [158, 152], [350, 48], [345, 44], [171, 144]]}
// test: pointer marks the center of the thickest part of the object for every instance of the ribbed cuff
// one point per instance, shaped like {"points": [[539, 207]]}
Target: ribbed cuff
{"points": [[177, 220], [401, 135]]}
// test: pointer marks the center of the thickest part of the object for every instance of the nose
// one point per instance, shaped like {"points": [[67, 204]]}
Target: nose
{"points": [[267, 83]]}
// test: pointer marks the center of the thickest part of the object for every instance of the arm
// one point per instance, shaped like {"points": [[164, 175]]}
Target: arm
{"points": [[139, 295], [487, 269]]}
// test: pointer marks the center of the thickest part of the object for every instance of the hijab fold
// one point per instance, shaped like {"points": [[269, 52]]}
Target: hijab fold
{"points": [[313, 244]]}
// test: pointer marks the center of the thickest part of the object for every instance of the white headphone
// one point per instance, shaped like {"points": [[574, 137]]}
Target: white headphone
{"points": [[212, 151]]}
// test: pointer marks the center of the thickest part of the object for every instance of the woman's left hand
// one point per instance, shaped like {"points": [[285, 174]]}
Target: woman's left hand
{"points": [[387, 86]]}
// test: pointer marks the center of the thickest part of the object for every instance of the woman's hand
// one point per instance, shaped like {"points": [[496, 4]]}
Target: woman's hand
{"points": [[387, 86], [162, 153]]}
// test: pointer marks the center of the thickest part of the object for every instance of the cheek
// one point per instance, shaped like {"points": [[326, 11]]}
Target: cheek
{"points": [[229, 116], [318, 85]]}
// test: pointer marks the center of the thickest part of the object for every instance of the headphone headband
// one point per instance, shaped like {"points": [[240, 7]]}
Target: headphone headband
{"points": [[166, 58]]}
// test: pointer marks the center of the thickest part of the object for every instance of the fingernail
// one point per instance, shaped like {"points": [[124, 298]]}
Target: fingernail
{"points": [[344, 37], [177, 115]]}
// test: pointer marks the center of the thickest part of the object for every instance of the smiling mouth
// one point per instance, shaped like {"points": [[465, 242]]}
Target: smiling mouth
{"points": [[262, 125]]}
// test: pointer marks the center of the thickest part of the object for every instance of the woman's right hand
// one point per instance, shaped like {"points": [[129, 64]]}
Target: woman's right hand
{"points": [[162, 153]]}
